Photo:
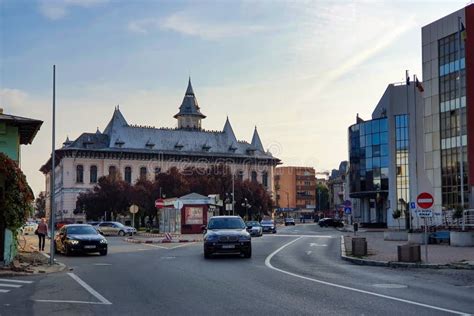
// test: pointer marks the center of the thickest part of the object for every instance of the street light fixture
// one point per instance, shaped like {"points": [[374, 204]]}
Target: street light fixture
{"points": [[247, 207]]}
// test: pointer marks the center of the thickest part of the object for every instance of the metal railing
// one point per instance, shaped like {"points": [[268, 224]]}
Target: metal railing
{"points": [[468, 218]]}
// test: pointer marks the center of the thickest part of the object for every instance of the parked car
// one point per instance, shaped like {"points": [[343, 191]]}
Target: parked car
{"points": [[115, 228], [254, 228], [289, 221], [93, 223], [333, 222], [268, 226], [228, 235], [28, 228], [75, 238]]}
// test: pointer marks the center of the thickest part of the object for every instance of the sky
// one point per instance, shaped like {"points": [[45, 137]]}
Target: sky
{"points": [[298, 70]]}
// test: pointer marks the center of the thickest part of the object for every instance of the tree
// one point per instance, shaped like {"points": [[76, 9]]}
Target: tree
{"points": [[322, 197], [40, 205], [143, 194]]}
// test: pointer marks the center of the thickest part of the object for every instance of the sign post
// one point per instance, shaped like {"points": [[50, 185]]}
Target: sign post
{"points": [[133, 210], [425, 200]]}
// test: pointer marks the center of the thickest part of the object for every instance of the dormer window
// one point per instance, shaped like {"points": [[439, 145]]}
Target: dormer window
{"points": [[232, 148], [251, 151], [178, 146], [149, 144], [119, 142], [206, 147]]}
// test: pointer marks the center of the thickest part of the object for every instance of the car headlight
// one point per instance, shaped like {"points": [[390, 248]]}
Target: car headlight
{"points": [[73, 242], [244, 237], [103, 241], [211, 238]]}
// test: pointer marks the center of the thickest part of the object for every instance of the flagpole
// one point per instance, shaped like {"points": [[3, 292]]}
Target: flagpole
{"points": [[415, 79], [52, 173], [407, 220], [460, 121]]}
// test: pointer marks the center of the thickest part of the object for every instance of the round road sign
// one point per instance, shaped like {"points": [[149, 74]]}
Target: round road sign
{"points": [[133, 209], [160, 203], [425, 200]]}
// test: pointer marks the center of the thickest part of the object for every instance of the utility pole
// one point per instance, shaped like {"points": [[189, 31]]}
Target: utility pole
{"points": [[52, 174], [461, 156]]}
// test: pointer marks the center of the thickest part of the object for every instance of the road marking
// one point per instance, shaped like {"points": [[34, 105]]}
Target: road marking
{"points": [[102, 264], [314, 236], [391, 286], [155, 246], [89, 289], [308, 252], [16, 281], [183, 245], [317, 245], [4, 291], [10, 285], [269, 265], [71, 302]]}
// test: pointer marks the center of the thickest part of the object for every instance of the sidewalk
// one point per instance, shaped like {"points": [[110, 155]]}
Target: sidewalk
{"points": [[149, 238], [384, 253], [30, 261]]}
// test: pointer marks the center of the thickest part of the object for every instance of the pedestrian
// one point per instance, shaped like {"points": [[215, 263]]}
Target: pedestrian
{"points": [[42, 231]]}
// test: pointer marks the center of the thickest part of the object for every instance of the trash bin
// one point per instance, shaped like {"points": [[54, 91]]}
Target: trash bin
{"points": [[409, 253], [356, 227], [359, 246]]}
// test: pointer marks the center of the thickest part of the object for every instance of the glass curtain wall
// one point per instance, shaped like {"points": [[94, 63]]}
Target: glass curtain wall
{"points": [[402, 143]]}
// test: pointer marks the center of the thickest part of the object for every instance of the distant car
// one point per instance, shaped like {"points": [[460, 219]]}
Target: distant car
{"points": [[28, 228], [289, 221], [115, 228], [268, 226], [254, 228], [228, 235], [93, 223], [327, 222], [75, 238], [60, 224]]}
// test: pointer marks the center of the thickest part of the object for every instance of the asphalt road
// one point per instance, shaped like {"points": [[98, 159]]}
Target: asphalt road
{"points": [[294, 272]]}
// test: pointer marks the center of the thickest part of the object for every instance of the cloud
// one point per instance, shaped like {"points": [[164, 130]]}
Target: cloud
{"points": [[12, 99], [58, 9], [187, 24]]}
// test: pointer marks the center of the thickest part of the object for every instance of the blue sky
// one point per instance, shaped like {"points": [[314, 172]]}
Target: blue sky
{"points": [[300, 71]]}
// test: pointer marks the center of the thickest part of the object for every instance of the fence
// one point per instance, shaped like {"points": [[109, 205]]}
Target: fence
{"points": [[468, 218]]}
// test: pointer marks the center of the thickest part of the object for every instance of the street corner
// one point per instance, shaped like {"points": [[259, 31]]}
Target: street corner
{"points": [[31, 263]]}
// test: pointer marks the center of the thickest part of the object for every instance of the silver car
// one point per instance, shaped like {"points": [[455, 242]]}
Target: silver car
{"points": [[254, 228], [115, 228]]}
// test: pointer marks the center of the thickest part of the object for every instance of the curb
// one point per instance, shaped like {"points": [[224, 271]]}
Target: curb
{"points": [[10, 273], [396, 264], [160, 241]]}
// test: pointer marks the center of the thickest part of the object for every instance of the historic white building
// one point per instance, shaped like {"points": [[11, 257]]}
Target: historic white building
{"points": [[143, 152]]}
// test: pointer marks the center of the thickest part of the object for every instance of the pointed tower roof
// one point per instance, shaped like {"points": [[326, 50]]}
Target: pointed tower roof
{"points": [[117, 121], [189, 106], [256, 142], [229, 131]]}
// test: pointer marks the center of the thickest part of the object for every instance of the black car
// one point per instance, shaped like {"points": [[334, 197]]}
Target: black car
{"points": [[227, 235], [77, 238], [289, 221], [327, 222], [268, 226]]}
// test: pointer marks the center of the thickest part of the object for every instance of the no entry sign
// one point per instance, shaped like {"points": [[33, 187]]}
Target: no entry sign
{"points": [[160, 203], [425, 200]]}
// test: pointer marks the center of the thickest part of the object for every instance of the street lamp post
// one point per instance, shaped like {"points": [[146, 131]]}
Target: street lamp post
{"points": [[247, 207]]}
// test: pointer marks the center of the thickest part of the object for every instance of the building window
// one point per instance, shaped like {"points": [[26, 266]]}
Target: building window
{"points": [[143, 173], [240, 175], [79, 174], [93, 174], [128, 175], [112, 171], [254, 176], [265, 179], [157, 173], [402, 152]]}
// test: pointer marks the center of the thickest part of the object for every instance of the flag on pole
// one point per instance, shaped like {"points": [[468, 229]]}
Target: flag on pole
{"points": [[418, 85], [408, 77], [463, 32]]}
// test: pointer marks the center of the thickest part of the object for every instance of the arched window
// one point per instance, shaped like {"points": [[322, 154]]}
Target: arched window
{"points": [[265, 179], [128, 175], [157, 172], [93, 174], [79, 174], [112, 171], [240, 175], [143, 173], [254, 176]]}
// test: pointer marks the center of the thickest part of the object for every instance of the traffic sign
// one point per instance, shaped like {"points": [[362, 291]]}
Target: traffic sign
{"points": [[425, 200], [424, 213], [347, 210], [133, 209], [347, 203], [412, 205], [160, 203]]}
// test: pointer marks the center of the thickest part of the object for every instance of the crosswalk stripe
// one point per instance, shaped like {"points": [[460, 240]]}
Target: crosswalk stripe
{"points": [[10, 285], [4, 291], [15, 281]]}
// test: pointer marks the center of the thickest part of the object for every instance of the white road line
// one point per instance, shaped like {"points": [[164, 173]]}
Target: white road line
{"points": [[4, 291], [10, 285], [315, 236], [269, 265], [72, 302], [16, 281], [155, 246], [317, 245], [89, 289], [183, 245]]}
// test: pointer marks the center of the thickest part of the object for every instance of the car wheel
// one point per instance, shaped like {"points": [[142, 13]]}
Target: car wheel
{"points": [[103, 252], [121, 233], [248, 253]]}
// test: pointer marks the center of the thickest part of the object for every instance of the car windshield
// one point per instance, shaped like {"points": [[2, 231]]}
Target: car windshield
{"points": [[81, 230], [119, 224], [226, 223], [267, 222], [253, 223]]}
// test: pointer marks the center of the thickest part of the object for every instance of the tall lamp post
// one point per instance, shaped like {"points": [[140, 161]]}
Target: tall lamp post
{"points": [[247, 207]]}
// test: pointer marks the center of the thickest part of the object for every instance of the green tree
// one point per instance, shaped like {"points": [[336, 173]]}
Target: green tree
{"points": [[40, 205], [322, 197]]}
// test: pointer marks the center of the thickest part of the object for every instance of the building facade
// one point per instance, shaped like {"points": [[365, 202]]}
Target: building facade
{"points": [[448, 76], [137, 152], [338, 188], [386, 159], [295, 188]]}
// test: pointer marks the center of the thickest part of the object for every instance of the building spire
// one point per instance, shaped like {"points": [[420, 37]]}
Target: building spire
{"points": [[229, 131], [189, 115], [256, 142]]}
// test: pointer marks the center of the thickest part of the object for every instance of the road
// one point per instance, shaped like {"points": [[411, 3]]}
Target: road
{"points": [[294, 272]]}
